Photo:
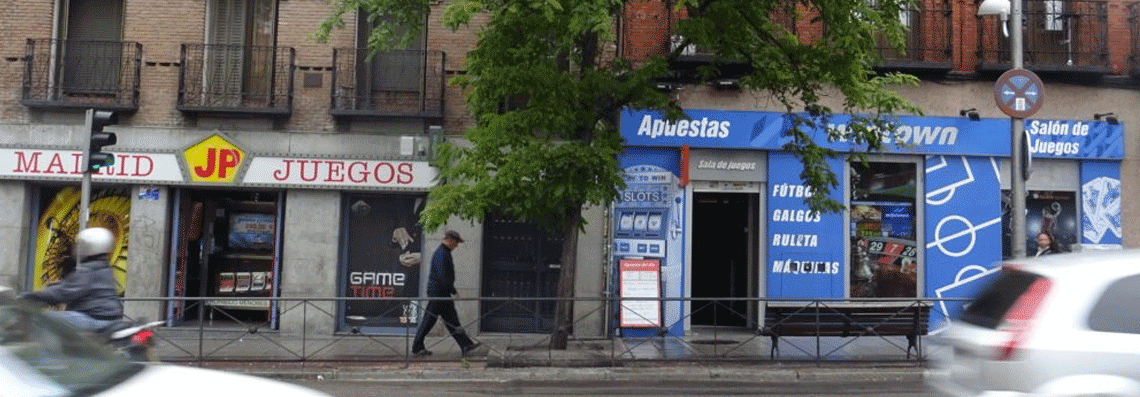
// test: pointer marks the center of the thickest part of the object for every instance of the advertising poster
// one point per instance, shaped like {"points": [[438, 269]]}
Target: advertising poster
{"points": [[384, 259], [640, 278], [59, 222], [963, 220], [1100, 205], [805, 255], [1053, 212]]}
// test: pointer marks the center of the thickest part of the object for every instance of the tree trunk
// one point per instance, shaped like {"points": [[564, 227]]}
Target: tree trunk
{"points": [[564, 309]]}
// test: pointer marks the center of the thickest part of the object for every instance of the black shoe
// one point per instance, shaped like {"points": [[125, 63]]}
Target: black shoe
{"points": [[471, 348], [421, 353]]}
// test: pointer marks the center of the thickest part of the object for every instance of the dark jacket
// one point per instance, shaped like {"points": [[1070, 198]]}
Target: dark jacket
{"points": [[441, 281], [90, 289]]}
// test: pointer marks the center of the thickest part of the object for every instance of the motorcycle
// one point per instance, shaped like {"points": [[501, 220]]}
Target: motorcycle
{"points": [[134, 341]]}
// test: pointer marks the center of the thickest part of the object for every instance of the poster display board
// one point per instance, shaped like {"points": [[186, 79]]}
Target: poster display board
{"points": [[640, 278], [383, 260], [805, 255]]}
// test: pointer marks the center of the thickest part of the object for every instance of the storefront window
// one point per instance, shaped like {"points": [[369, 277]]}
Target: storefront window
{"points": [[883, 230]]}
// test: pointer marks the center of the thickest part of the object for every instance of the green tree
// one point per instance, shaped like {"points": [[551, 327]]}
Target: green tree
{"points": [[546, 92]]}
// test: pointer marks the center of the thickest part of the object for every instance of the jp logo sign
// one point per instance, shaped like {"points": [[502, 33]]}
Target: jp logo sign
{"points": [[214, 159]]}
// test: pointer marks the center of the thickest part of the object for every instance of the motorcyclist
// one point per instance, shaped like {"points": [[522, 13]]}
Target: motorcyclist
{"points": [[89, 293]]}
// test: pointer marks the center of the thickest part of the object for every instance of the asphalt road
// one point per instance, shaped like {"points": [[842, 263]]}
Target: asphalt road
{"points": [[341, 388]]}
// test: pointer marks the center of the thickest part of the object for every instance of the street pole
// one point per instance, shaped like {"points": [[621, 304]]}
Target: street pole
{"points": [[85, 186], [1016, 125]]}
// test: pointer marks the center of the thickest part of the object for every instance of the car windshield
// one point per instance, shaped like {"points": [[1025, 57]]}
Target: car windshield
{"points": [[52, 353], [991, 304]]}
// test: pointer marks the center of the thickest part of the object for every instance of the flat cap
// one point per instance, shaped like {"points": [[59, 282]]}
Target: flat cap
{"points": [[454, 235]]}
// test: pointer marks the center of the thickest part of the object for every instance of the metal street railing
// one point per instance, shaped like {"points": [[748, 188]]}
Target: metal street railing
{"points": [[312, 329]]}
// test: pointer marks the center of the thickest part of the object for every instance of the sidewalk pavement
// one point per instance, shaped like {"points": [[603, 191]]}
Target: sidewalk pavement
{"points": [[730, 357], [573, 366]]}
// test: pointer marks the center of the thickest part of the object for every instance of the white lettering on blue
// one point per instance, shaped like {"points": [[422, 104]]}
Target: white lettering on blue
{"points": [[805, 267], [795, 216], [1057, 127], [910, 134], [794, 240], [1055, 148], [927, 135], [790, 190], [703, 128]]}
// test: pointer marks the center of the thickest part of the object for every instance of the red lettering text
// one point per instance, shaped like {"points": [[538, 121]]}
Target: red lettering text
{"points": [[336, 171], [27, 163]]}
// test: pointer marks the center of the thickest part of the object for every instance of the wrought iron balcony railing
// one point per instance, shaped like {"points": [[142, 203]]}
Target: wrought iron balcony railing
{"points": [[1058, 36], [689, 52], [396, 83], [928, 40], [223, 78], [81, 74], [1134, 30]]}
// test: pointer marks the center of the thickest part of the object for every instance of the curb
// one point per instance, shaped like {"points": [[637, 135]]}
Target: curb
{"points": [[645, 374]]}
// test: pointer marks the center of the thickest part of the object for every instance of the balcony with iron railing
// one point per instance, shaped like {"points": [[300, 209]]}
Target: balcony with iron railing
{"points": [[236, 79], [395, 83], [1134, 33], [73, 74], [928, 38], [1058, 36]]}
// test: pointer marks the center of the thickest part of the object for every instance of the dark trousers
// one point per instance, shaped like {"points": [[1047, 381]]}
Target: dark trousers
{"points": [[441, 308]]}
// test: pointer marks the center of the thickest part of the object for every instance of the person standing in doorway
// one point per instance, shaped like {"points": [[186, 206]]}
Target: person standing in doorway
{"points": [[441, 284]]}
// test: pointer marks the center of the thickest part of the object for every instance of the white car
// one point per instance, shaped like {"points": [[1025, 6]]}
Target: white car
{"points": [[40, 357], [1057, 325]]}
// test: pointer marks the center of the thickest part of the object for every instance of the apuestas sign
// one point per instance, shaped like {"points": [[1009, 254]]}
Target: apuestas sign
{"points": [[1019, 93], [213, 159]]}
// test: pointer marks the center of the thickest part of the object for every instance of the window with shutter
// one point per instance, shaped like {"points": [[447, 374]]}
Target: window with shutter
{"points": [[239, 58], [224, 53], [92, 53], [398, 70]]}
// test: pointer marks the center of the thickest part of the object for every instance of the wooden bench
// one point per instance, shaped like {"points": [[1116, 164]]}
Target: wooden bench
{"points": [[846, 319]]}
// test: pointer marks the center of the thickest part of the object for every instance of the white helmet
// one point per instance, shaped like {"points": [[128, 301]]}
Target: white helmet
{"points": [[93, 241]]}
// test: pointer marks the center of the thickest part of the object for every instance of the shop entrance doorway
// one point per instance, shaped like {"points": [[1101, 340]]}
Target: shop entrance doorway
{"points": [[724, 258], [226, 249]]}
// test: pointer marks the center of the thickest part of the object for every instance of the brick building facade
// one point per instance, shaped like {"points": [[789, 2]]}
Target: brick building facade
{"points": [[252, 161], [256, 162]]}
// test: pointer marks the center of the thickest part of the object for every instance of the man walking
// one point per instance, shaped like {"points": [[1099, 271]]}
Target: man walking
{"points": [[441, 284]]}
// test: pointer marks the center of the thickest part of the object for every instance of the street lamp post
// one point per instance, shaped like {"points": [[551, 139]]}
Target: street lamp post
{"points": [[1016, 125], [1018, 93]]}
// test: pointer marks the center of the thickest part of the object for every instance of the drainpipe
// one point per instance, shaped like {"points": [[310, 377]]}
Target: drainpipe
{"points": [[607, 263], [57, 8]]}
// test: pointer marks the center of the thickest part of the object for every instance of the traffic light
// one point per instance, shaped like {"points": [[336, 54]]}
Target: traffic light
{"points": [[96, 159]]}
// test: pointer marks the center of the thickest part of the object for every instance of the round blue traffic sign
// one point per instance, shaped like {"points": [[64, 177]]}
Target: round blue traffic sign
{"points": [[1019, 93]]}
